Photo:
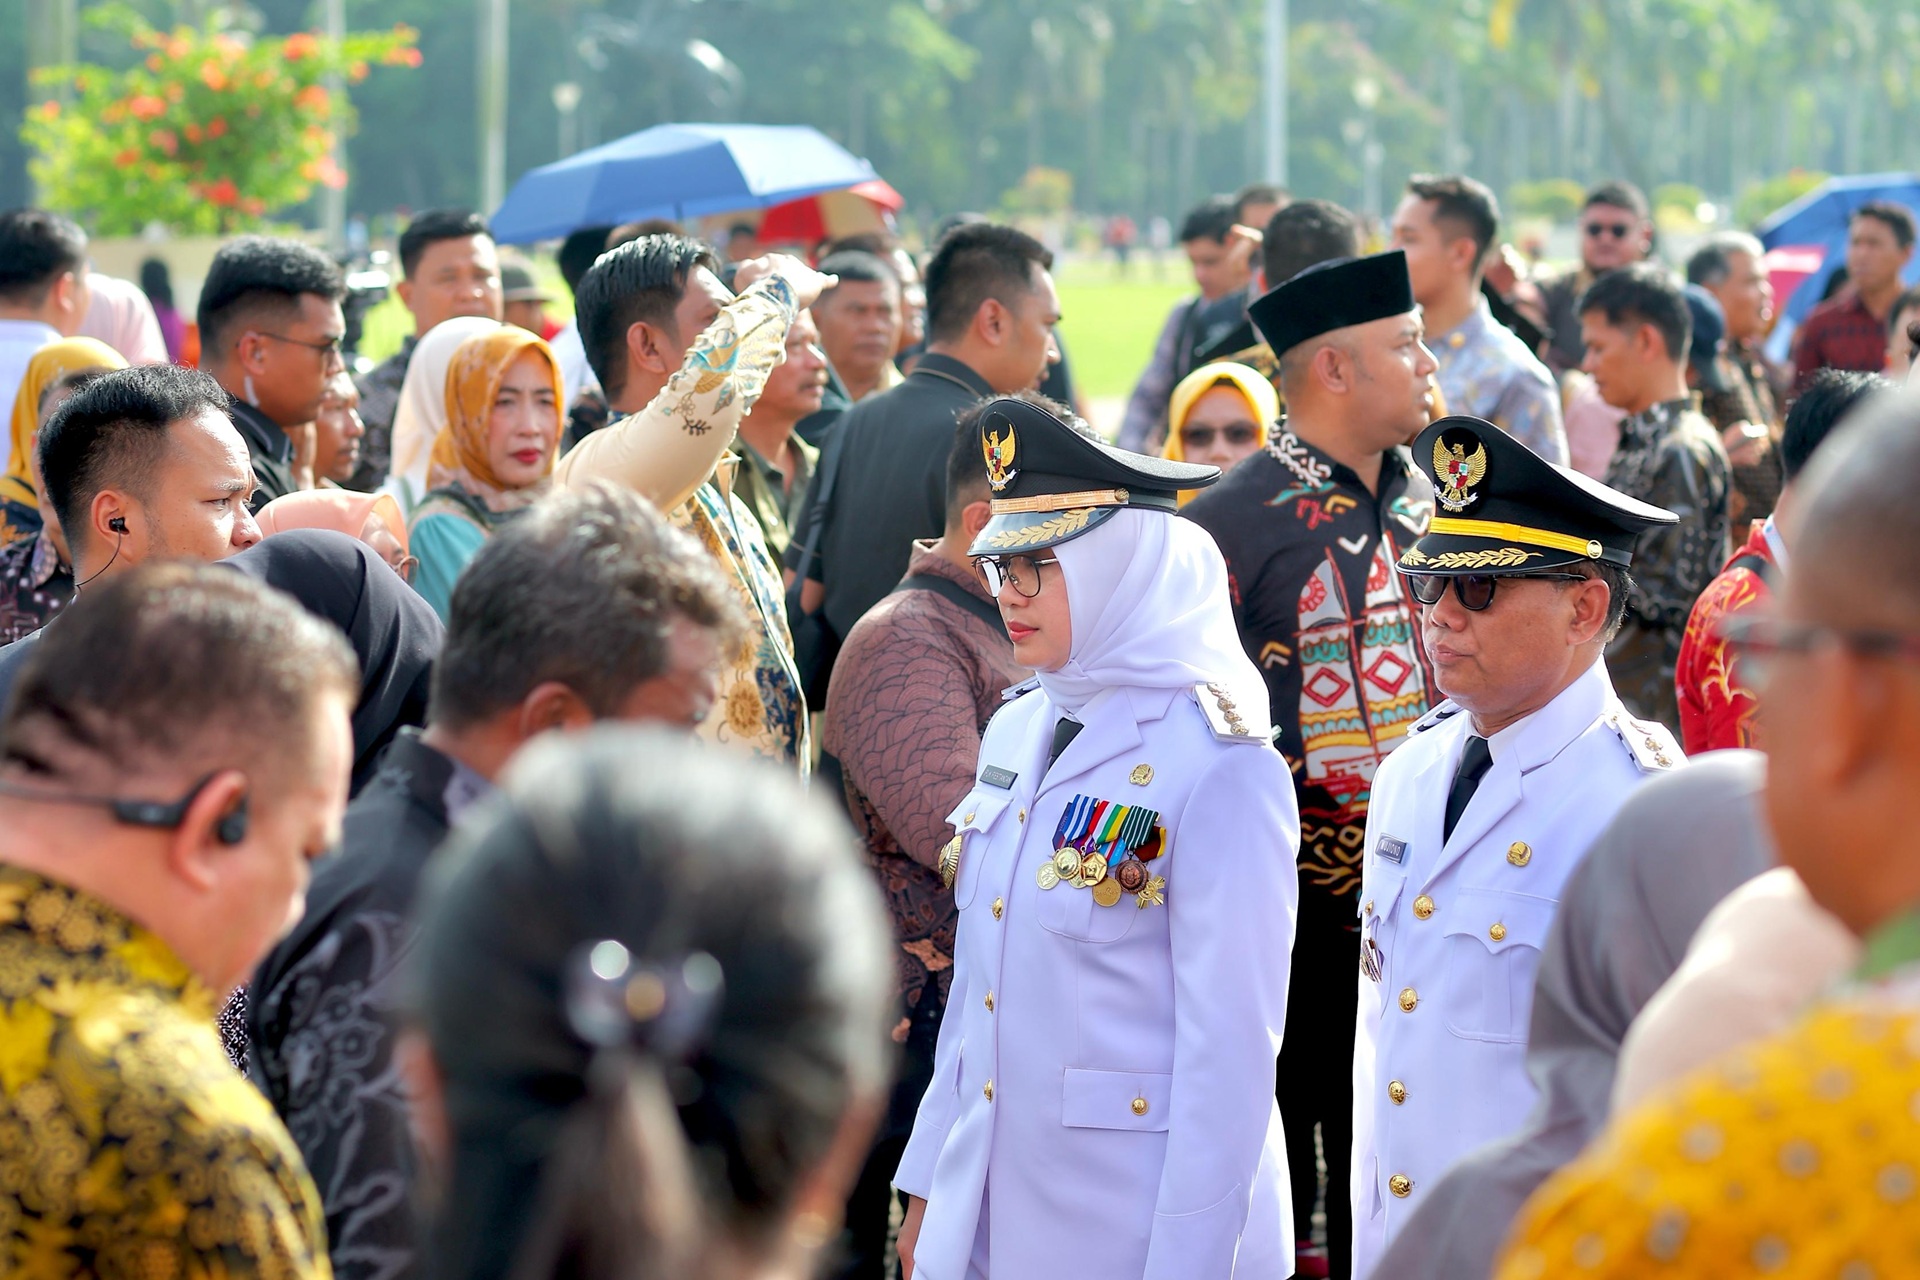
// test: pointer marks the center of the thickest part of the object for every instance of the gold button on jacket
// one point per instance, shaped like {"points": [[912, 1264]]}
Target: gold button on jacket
{"points": [[1519, 853], [1408, 998], [1401, 1185], [1423, 907], [988, 1091], [1397, 1092], [989, 1002], [1139, 1106], [1497, 932], [999, 907]]}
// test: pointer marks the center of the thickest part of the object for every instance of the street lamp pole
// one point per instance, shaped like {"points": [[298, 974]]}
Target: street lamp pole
{"points": [[492, 15], [333, 200], [1275, 81]]}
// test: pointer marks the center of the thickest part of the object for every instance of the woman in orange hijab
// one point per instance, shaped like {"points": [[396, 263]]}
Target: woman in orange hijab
{"points": [[373, 518], [19, 506], [493, 459]]}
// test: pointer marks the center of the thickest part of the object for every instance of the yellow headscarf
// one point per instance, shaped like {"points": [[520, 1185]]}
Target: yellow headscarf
{"points": [[48, 365], [473, 381], [1261, 398]]}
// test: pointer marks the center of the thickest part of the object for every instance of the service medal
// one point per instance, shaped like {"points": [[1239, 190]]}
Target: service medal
{"points": [[1066, 864], [1131, 875], [950, 861], [1093, 869], [1151, 895], [1047, 876], [1107, 892]]}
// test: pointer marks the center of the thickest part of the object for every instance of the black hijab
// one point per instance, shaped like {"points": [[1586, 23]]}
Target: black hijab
{"points": [[395, 633]]}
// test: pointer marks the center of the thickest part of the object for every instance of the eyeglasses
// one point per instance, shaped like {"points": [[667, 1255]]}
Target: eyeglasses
{"points": [[1239, 434], [405, 566], [1759, 641], [1618, 230], [1474, 589], [332, 349], [1022, 572]]}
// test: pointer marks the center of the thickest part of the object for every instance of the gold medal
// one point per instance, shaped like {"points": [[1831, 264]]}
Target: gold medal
{"points": [[1047, 877], [1151, 895], [1093, 869], [1066, 864], [1107, 892]]}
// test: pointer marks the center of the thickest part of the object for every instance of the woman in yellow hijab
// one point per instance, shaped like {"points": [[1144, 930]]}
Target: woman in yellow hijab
{"points": [[493, 459], [1219, 414], [19, 507]]}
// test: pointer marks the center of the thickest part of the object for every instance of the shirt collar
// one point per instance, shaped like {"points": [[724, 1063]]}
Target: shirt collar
{"points": [[259, 429], [949, 369], [72, 921], [1776, 545], [926, 559], [465, 788], [1469, 330], [28, 332], [44, 562], [1537, 738]]}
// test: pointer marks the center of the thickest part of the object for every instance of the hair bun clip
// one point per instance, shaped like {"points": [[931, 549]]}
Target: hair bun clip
{"points": [[666, 1009]]}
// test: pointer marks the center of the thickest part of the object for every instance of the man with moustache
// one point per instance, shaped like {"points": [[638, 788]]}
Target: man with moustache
{"points": [[1311, 527], [1478, 820]]}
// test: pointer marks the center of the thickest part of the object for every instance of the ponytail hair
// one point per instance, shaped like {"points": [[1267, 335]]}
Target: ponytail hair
{"points": [[655, 979]]}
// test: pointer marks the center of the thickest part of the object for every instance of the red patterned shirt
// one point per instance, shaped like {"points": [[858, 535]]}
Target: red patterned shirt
{"points": [[1840, 334], [1716, 705]]}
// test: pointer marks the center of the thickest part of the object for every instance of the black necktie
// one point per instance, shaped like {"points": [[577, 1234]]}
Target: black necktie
{"points": [[1064, 731], [1474, 763]]}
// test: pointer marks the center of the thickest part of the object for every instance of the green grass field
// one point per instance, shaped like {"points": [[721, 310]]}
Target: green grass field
{"points": [[1110, 322]]}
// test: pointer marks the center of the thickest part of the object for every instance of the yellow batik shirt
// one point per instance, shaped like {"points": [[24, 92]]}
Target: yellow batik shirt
{"points": [[1796, 1158], [129, 1146]]}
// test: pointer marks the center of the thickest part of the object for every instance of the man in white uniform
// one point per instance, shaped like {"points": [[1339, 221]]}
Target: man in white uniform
{"points": [[1480, 817], [1102, 1098]]}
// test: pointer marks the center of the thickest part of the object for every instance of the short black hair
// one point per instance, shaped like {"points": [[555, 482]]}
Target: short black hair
{"points": [[857, 266], [113, 433], [1643, 294], [1305, 234], [261, 274], [1829, 397], [433, 226], [1712, 262], [578, 253], [583, 589], [1619, 194], [1211, 219], [641, 280], [70, 383], [156, 282], [37, 248], [1257, 193], [1468, 206], [975, 262], [1897, 217]]}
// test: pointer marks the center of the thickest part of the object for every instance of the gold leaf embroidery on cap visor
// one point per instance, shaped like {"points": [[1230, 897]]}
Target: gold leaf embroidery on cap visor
{"points": [[1067, 522]]}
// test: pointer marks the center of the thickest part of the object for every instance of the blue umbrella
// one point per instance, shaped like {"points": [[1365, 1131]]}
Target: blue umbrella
{"points": [[675, 171], [1818, 220]]}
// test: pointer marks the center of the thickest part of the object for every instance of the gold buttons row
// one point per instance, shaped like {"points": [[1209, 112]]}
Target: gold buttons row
{"points": [[1401, 1185]]}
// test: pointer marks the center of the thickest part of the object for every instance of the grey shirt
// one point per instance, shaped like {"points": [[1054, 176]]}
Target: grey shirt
{"points": [[1679, 845]]}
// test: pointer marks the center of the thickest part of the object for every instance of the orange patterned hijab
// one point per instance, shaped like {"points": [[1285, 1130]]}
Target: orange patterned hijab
{"points": [[473, 381]]}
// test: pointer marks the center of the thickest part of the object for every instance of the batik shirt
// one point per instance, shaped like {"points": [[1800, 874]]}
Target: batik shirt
{"points": [[35, 584], [1310, 555], [129, 1146], [1671, 457], [1717, 704], [1488, 372]]}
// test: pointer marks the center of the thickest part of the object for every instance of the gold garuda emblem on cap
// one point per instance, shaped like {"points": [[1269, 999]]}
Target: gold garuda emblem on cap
{"points": [[1457, 473], [999, 450]]}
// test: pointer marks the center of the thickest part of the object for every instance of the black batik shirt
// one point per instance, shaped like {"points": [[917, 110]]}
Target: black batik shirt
{"points": [[1310, 555]]}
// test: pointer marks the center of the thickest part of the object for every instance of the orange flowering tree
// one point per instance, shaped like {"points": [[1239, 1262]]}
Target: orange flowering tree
{"points": [[206, 132]]}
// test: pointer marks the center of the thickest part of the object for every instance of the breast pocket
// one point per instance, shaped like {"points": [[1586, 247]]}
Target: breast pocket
{"points": [[1376, 924], [975, 821], [1493, 941], [1074, 913]]}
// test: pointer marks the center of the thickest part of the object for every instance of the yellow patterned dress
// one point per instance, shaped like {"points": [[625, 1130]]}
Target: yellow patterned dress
{"points": [[1798, 1158], [129, 1147]]}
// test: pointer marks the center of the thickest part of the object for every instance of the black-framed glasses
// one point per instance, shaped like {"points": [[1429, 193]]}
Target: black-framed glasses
{"points": [[1759, 640], [1020, 572], [332, 349], [1618, 230], [1474, 589], [1237, 434]]}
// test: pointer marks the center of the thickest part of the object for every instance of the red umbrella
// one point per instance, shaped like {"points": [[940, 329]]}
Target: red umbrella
{"points": [[868, 206]]}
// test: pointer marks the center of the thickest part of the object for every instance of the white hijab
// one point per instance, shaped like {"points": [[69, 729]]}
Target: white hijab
{"points": [[422, 410], [1147, 592]]}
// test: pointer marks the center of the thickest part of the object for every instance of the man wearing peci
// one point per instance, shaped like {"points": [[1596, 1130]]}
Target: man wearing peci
{"points": [[1479, 818]]}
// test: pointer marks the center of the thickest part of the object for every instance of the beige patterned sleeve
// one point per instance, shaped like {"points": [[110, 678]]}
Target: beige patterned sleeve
{"points": [[668, 449]]}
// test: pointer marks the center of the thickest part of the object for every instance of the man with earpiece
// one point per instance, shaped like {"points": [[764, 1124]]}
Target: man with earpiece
{"points": [[168, 769], [142, 464]]}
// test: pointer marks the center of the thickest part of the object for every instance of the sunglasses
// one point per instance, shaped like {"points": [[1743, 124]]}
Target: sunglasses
{"points": [[1474, 589], [1238, 434], [1618, 230], [1020, 572]]}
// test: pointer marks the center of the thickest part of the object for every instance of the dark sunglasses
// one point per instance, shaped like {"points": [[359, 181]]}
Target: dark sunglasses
{"points": [[1239, 434], [1618, 230], [1474, 589]]}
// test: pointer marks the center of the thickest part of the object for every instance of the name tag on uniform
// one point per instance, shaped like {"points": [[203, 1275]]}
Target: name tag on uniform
{"points": [[1391, 850], [994, 776]]}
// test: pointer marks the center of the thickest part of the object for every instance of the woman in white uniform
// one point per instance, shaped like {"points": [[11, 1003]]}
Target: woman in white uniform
{"points": [[1102, 1102]]}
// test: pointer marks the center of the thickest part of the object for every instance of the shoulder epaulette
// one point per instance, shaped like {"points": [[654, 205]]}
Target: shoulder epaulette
{"points": [[1440, 714], [1649, 742], [1223, 717], [1024, 687]]}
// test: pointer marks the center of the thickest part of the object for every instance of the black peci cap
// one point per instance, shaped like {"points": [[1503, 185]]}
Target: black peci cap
{"points": [[1051, 483], [1502, 507], [1333, 295]]}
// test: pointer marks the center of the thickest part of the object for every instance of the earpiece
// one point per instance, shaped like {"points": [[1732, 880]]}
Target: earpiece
{"points": [[118, 524], [232, 829]]}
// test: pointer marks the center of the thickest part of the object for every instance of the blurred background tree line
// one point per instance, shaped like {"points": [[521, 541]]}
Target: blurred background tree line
{"points": [[1136, 106]]}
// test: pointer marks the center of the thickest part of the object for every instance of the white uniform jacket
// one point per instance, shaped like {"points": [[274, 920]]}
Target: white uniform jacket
{"points": [[1102, 1100], [1451, 931]]}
